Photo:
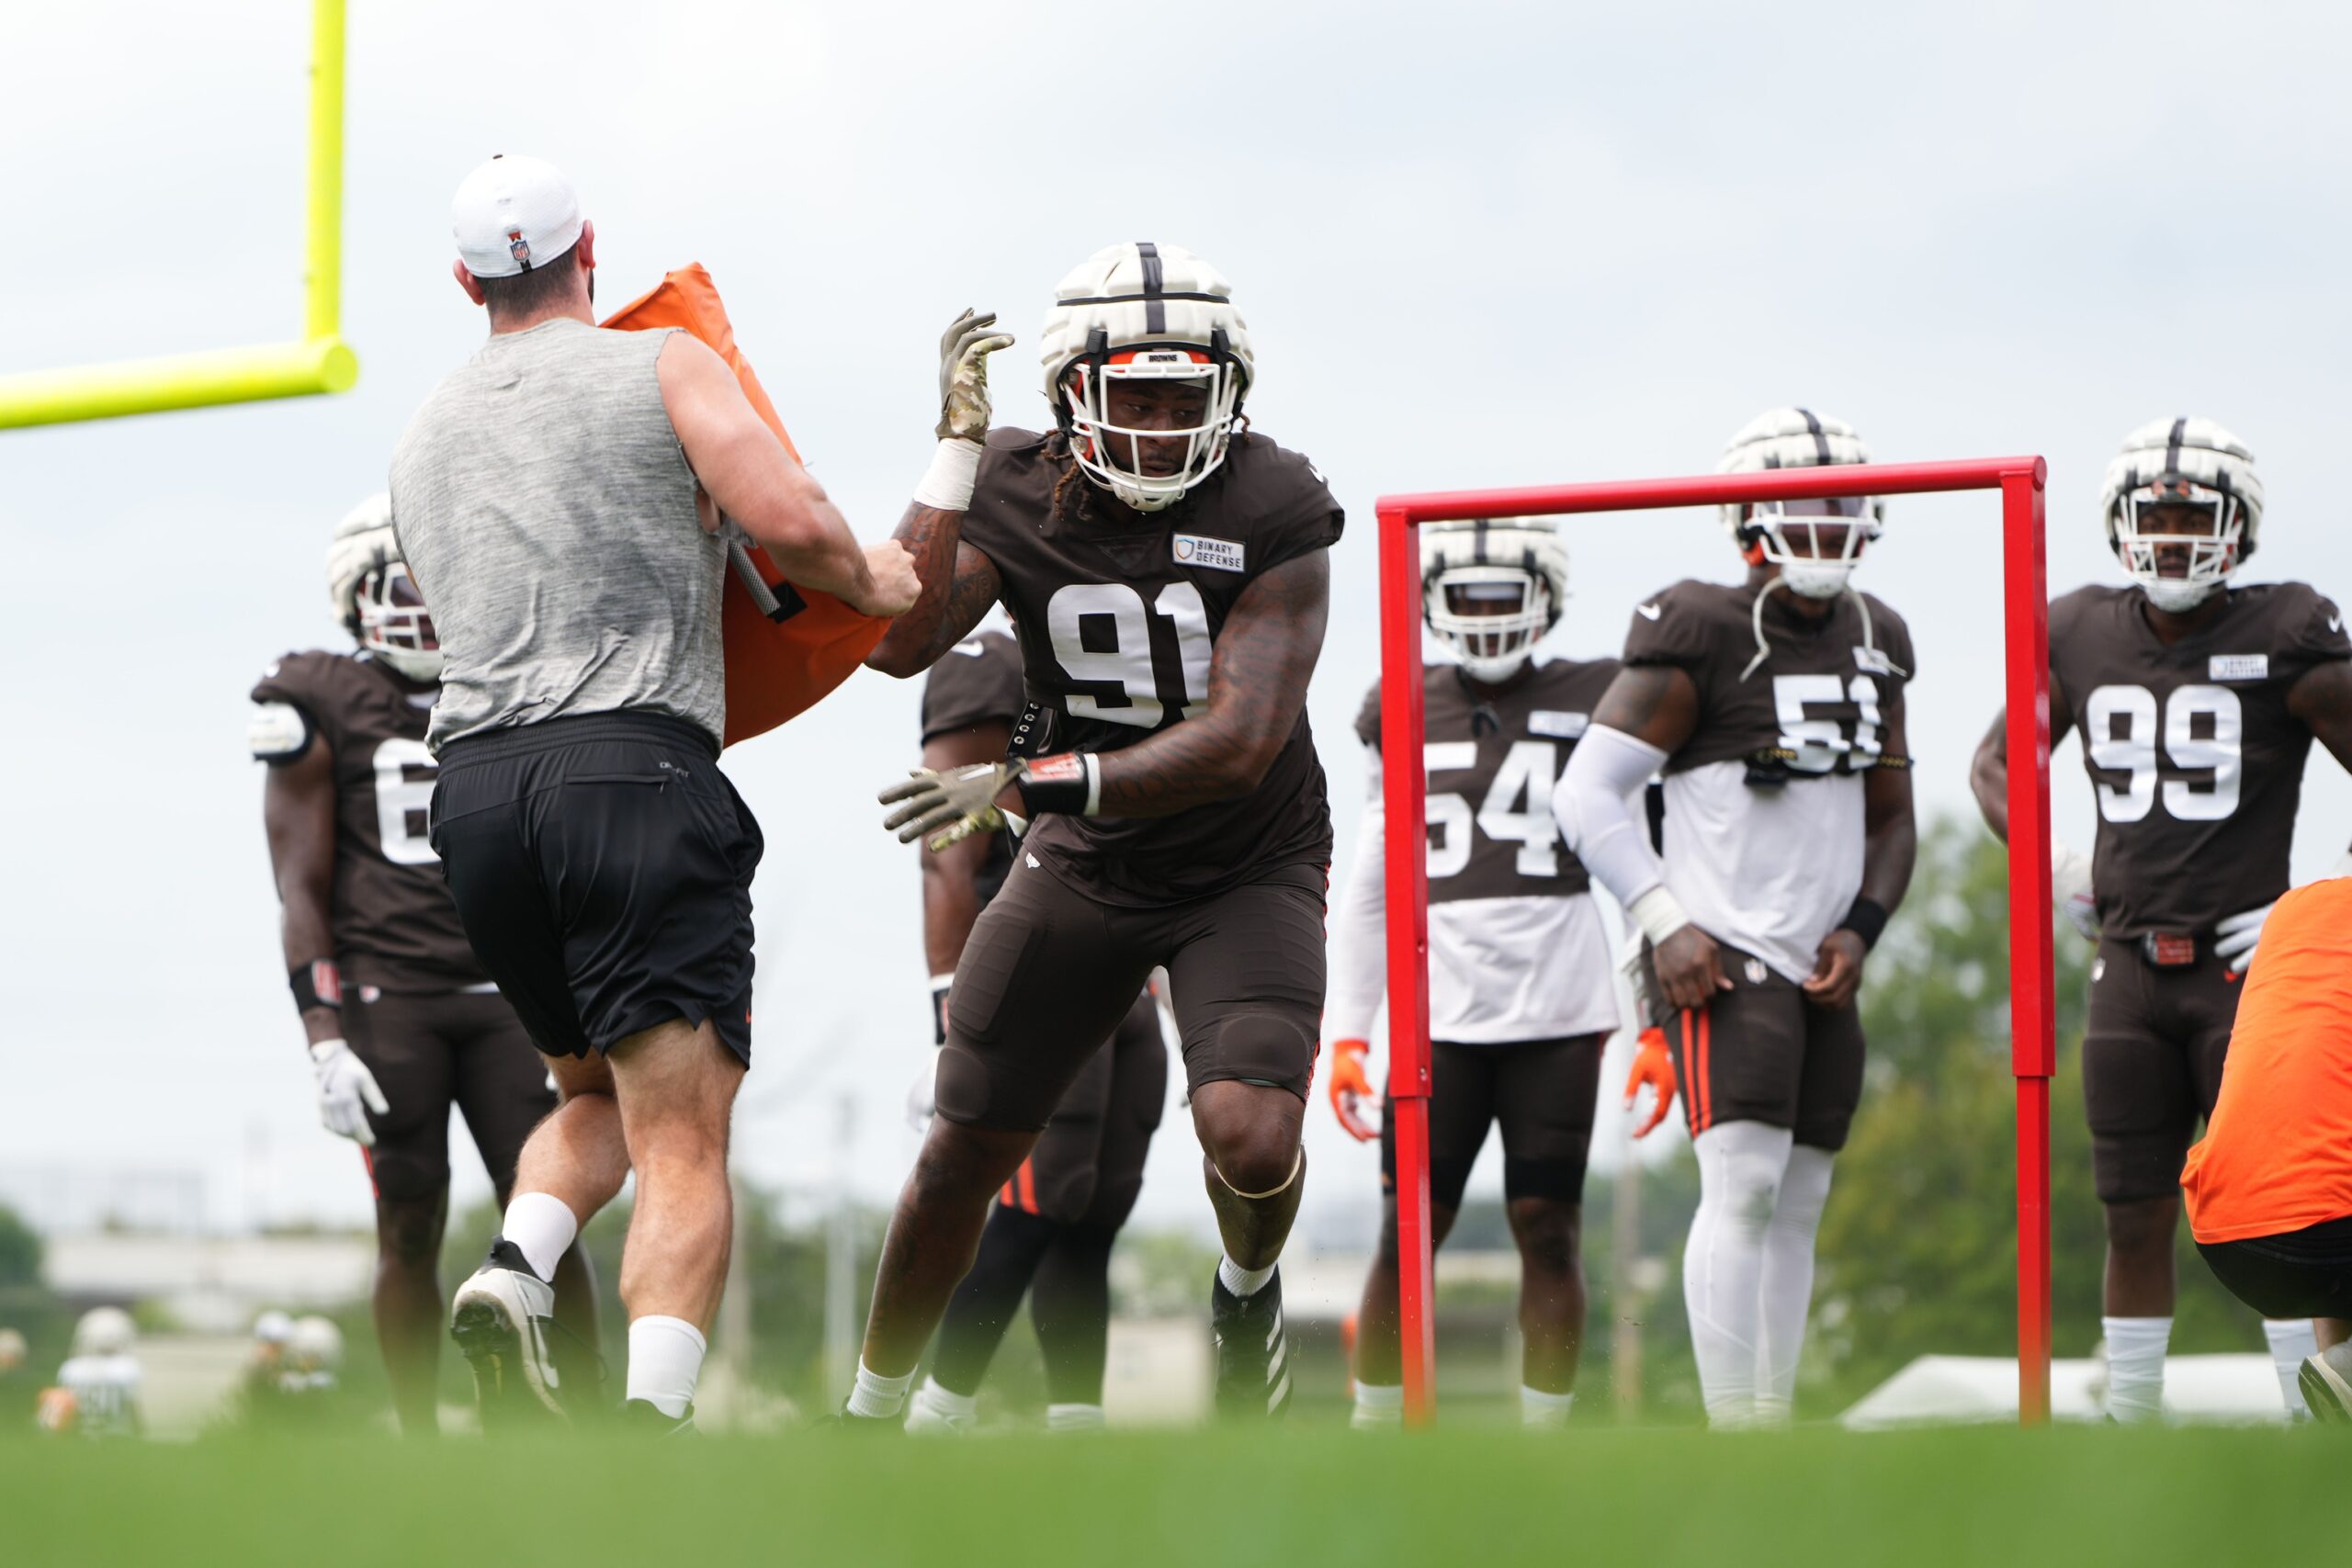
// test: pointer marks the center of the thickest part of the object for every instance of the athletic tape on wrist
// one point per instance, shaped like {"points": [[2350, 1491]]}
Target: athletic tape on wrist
{"points": [[1658, 914], [947, 484], [1068, 781], [317, 983]]}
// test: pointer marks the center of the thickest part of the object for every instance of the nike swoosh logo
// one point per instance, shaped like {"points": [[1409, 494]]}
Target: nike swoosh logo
{"points": [[971, 650], [2336, 623], [1648, 611]]}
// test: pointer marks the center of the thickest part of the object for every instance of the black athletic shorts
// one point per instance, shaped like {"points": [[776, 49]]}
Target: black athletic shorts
{"points": [[1048, 972], [428, 1053], [2151, 1064], [1088, 1166], [2305, 1273], [1761, 1052], [1542, 1094], [602, 866]]}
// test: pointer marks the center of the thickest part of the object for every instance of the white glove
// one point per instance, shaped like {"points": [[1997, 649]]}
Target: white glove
{"points": [[951, 805], [2070, 888], [2234, 937], [922, 1095], [344, 1086]]}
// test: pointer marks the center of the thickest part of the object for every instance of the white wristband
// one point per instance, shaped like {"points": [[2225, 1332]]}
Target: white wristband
{"points": [[1093, 782], [1658, 914], [947, 483]]}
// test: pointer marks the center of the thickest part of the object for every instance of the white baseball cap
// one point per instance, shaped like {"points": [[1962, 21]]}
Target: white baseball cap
{"points": [[513, 214]]}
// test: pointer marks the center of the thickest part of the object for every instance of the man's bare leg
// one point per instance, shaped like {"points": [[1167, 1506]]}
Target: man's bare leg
{"points": [[1256, 1170], [406, 1305], [933, 1238], [675, 1085]]}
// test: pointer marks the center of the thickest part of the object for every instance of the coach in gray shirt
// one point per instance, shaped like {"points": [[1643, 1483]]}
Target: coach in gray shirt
{"points": [[559, 499]]}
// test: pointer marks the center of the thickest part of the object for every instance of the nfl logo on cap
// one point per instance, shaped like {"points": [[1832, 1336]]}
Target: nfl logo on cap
{"points": [[511, 214]]}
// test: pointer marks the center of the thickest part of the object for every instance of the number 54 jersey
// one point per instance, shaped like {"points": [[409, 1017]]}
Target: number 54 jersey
{"points": [[1764, 834], [394, 925], [1517, 949], [2197, 764], [1117, 613]]}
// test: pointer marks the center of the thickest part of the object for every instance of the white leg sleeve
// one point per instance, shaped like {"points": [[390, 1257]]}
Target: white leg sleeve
{"points": [[1740, 1164], [1788, 1278], [2290, 1341]]}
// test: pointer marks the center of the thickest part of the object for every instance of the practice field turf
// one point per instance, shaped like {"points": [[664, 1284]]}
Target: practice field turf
{"points": [[1624, 1499]]}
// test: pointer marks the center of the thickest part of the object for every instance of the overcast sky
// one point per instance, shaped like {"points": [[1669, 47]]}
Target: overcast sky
{"points": [[1476, 244]]}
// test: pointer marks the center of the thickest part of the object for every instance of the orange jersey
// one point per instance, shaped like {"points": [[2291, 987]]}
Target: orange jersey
{"points": [[775, 668], [2277, 1151]]}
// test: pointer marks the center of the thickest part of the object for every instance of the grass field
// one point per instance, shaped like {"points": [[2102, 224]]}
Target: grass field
{"points": [[2077, 1496]]}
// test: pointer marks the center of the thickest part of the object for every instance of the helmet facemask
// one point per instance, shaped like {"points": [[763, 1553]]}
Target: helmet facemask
{"points": [[1113, 455], [1491, 616], [2178, 569], [395, 625], [1816, 544]]}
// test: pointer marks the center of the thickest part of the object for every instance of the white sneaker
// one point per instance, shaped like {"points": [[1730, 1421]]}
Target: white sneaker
{"points": [[500, 1318], [2326, 1383]]}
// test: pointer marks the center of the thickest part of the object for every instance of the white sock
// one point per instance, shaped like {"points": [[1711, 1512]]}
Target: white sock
{"points": [[1378, 1407], [935, 1406], [2135, 1366], [1073, 1418], [2292, 1341], [664, 1360], [1740, 1165], [875, 1395], [1540, 1411], [1243, 1282], [541, 1225], [1786, 1286]]}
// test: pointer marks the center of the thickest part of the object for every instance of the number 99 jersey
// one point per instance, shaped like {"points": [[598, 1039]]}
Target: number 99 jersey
{"points": [[1764, 834], [2197, 764], [394, 924], [1117, 613]]}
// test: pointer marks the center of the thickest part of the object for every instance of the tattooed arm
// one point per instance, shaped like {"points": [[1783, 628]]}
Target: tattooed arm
{"points": [[959, 584], [1265, 654]]}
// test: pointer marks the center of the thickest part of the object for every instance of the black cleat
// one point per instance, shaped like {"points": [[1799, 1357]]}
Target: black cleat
{"points": [[1252, 1351], [643, 1418], [500, 1319]]}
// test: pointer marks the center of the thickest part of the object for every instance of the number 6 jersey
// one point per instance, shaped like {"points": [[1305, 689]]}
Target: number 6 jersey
{"points": [[394, 925], [1764, 802], [2196, 762], [1117, 613]]}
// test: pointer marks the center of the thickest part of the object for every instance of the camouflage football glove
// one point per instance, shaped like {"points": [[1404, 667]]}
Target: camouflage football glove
{"points": [[963, 353], [951, 805]]}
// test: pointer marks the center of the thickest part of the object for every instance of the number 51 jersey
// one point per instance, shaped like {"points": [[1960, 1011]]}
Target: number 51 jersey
{"points": [[1764, 833], [394, 925], [2197, 764], [1117, 613]]}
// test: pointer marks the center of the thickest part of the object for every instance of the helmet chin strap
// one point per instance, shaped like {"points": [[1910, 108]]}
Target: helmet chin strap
{"points": [[423, 665], [1847, 588], [2177, 595]]}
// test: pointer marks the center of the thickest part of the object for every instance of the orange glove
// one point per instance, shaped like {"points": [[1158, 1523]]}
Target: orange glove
{"points": [[1654, 1065], [1350, 1086]]}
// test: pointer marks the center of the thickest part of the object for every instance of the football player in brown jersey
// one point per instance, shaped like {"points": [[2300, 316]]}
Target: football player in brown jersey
{"points": [[2198, 703], [401, 1019], [1166, 576], [1774, 710], [1050, 1234], [1523, 994]]}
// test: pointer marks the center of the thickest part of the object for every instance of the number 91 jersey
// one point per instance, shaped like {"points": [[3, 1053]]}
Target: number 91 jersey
{"points": [[2197, 764], [394, 925], [1117, 613]]}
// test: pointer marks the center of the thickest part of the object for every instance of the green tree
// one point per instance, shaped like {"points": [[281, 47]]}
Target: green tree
{"points": [[20, 1251]]}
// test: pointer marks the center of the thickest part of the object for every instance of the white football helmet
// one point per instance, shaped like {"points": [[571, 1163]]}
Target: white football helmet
{"points": [[272, 1328], [315, 1345], [375, 597], [2184, 461], [104, 1331], [1799, 438], [1490, 590], [1143, 311]]}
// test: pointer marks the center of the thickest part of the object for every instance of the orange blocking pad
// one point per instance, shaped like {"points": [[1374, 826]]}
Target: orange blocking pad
{"points": [[775, 667]]}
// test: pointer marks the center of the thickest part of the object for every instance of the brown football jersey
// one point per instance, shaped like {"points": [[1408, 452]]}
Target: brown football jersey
{"points": [[2197, 764], [1815, 706], [977, 681], [1493, 758], [394, 925], [1117, 613]]}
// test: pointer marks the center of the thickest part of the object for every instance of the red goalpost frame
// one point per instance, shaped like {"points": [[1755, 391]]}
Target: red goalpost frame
{"points": [[2032, 1027]]}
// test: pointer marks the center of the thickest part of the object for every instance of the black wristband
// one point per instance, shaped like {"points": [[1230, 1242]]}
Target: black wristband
{"points": [[1067, 782], [317, 983], [1866, 920]]}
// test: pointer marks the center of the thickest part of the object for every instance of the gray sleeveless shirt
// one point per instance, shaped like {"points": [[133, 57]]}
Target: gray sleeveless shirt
{"points": [[546, 510]]}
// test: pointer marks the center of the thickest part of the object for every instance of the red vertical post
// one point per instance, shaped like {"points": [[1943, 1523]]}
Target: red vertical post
{"points": [[1404, 799], [2033, 1046]]}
